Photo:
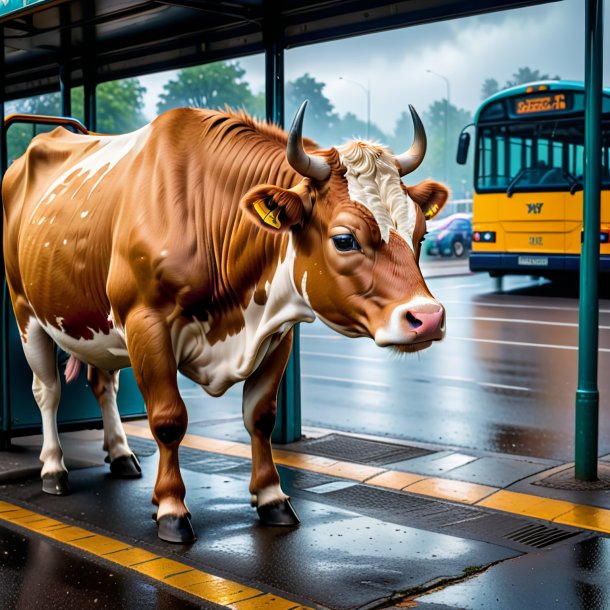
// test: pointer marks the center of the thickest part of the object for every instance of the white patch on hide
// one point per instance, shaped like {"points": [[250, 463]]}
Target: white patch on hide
{"points": [[216, 367], [108, 152]]}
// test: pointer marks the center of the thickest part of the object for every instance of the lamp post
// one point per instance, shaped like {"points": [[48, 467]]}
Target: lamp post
{"points": [[447, 102], [367, 91]]}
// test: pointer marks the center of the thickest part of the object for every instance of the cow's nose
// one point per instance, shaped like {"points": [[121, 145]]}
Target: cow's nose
{"points": [[428, 325]]}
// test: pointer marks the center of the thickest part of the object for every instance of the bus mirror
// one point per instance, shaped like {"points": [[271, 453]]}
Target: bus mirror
{"points": [[462, 151]]}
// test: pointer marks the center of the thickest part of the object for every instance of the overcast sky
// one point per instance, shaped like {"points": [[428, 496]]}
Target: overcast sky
{"points": [[548, 37]]}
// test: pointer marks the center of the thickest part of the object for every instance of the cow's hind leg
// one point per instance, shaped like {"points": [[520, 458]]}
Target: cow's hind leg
{"points": [[154, 366], [105, 385], [259, 410], [39, 351]]}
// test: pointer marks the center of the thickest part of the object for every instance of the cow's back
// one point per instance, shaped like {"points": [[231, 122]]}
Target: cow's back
{"points": [[58, 228]]}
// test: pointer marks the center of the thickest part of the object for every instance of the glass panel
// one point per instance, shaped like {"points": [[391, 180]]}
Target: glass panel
{"points": [[236, 83], [547, 155]]}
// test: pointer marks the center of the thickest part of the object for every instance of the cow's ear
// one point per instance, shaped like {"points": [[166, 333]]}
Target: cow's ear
{"points": [[276, 209], [430, 196]]}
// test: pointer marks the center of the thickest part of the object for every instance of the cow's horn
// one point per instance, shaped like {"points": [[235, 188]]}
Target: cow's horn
{"points": [[309, 166], [411, 159]]}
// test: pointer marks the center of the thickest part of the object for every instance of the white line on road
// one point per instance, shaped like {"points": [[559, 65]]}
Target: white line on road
{"points": [[518, 321], [524, 344], [375, 384], [516, 306], [382, 360], [459, 286], [346, 356]]}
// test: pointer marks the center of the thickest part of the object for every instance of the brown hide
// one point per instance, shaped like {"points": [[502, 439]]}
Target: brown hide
{"points": [[159, 228]]}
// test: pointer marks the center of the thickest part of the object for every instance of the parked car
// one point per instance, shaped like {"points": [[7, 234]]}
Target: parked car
{"points": [[451, 236]]}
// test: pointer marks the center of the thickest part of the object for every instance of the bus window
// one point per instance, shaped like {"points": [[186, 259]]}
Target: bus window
{"points": [[533, 155]]}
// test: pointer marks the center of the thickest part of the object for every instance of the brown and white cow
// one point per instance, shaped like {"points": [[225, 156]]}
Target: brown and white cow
{"points": [[195, 244]]}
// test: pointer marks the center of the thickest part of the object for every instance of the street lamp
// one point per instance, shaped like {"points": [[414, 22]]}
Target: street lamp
{"points": [[447, 102], [367, 91]]}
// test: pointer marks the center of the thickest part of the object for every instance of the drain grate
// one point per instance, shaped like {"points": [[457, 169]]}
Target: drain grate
{"points": [[399, 507], [142, 447], [539, 536], [358, 450]]}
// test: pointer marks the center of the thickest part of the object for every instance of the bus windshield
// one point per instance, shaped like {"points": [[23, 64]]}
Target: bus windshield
{"points": [[545, 155]]}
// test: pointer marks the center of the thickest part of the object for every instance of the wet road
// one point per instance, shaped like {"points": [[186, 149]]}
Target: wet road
{"points": [[504, 379]]}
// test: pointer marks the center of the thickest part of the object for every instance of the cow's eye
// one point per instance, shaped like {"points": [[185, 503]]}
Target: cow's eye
{"points": [[423, 238], [346, 242]]}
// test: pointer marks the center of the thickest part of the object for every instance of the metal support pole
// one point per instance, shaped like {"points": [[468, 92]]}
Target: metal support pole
{"points": [[90, 70], [5, 428], [65, 72], [288, 421], [587, 394]]}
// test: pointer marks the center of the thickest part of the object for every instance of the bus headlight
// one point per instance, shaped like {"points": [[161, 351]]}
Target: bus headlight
{"points": [[488, 237]]}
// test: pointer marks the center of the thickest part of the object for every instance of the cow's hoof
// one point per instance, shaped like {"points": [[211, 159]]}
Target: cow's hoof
{"points": [[56, 484], [126, 467], [176, 529], [278, 514]]}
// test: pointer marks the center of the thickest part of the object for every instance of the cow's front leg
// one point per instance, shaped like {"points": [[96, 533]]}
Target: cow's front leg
{"points": [[259, 410], [105, 385], [154, 367]]}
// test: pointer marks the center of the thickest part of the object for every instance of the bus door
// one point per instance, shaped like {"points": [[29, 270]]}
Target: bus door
{"points": [[533, 217]]}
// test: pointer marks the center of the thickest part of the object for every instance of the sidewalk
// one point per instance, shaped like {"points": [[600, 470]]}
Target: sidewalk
{"points": [[481, 530]]}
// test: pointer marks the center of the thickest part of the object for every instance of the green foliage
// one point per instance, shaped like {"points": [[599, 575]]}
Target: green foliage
{"points": [[119, 110], [440, 160], [320, 118], [522, 76], [527, 75], [211, 86], [489, 88]]}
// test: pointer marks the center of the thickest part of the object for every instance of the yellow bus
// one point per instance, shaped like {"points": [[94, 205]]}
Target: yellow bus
{"points": [[528, 180]]}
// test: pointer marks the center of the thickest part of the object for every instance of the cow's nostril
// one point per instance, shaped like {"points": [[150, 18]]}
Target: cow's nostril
{"points": [[413, 321]]}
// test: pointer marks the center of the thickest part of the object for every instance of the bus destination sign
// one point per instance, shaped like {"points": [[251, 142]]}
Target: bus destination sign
{"points": [[542, 103]]}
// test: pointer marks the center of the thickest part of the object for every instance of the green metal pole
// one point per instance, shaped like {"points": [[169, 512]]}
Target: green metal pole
{"points": [[5, 428], [288, 421], [587, 394]]}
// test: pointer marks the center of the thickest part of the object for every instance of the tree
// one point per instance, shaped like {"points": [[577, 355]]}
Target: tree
{"points": [[209, 86], [320, 118], [120, 107], [527, 75], [350, 127], [440, 151], [490, 86]]}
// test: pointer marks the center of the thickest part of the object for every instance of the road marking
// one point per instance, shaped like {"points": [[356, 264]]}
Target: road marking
{"points": [[384, 360], [375, 384], [471, 285], [175, 574], [524, 344], [517, 306], [520, 321], [473, 494], [344, 356]]}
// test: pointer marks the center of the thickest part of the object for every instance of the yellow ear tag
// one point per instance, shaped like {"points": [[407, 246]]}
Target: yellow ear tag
{"points": [[267, 215], [431, 213]]}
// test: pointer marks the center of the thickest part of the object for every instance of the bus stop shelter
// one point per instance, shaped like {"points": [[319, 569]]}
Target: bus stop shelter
{"points": [[56, 45]]}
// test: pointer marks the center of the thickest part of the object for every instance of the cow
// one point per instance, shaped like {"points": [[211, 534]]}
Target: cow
{"points": [[194, 245]]}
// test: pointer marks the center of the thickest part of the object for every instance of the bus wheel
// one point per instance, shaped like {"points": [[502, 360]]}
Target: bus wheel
{"points": [[458, 248]]}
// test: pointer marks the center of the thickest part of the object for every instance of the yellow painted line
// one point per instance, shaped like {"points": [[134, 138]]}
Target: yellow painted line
{"points": [[538, 507], [448, 489], [173, 573]]}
